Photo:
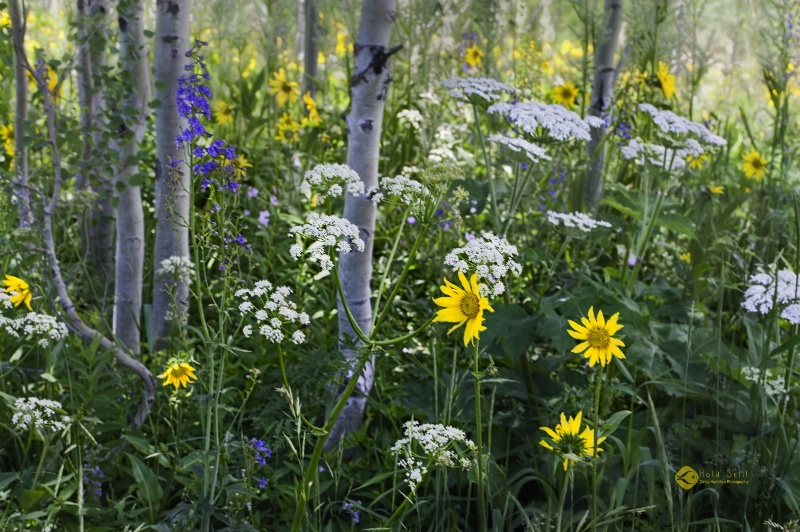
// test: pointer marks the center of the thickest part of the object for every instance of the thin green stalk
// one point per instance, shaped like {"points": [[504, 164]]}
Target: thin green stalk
{"points": [[311, 470], [361, 335], [596, 437], [389, 265], [562, 499], [543, 287], [398, 284], [495, 210], [479, 437]]}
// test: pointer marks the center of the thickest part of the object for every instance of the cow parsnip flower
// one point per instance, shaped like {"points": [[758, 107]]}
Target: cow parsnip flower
{"points": [[568, 439], [754, 165], [179, 374], [19, 290], [463, 306], [666, 80], [565, 94], [285, 90], [597, 337]]}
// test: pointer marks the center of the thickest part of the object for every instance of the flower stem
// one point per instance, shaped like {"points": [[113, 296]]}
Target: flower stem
{"points": [[594, 452], [479, 436], [562, 499], [495, 210]]}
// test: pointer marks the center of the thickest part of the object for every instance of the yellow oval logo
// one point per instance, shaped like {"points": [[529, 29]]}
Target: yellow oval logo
{"points": [[686, 477]]}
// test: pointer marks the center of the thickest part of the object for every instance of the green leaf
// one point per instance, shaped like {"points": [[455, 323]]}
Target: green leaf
{"points": [[149, 33], [49, 378], [31, 498], [148, 484]]}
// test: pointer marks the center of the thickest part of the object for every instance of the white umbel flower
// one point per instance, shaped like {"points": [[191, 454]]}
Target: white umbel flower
{"points": [[533, 151], [669, 122], [487, 89], [177, 269], [273, 313], [42, 327], [328, 232], [769, 291], [576, 220], [331, 180], [554, 120], [32, 412], [491, 257]]}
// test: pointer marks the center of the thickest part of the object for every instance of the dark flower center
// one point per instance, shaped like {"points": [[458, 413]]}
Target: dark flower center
{"points": [[470, 305]]}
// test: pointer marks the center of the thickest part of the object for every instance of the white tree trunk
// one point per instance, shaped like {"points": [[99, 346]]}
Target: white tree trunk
{"points": [[85, 90], [371, 78], [102, 214], [602, 99], [130, 217], [172, 184], [20, 115], [310, 48]]}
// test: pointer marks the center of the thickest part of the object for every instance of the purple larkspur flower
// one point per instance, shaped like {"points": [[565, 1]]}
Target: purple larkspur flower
{"points": [[263, 218]]}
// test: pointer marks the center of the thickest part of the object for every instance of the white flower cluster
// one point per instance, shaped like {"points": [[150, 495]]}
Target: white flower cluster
{"points": [[409, 191], [766, 291], [660, 156], [578, 220], [273, 313], [33, 412], [488, 89], [669, 122], [410, 118], [45, 327], [438, 442], [331, 180], [328, 231], [489, 256], [773, 384], [533, 151], [444, 140], [559, 122], [179, 269]]}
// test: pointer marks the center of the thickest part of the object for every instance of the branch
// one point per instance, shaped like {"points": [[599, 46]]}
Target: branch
{"points": [[87, 333]]}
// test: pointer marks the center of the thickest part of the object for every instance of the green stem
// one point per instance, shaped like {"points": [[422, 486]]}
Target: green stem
{"points": [[389, 265], [311, 471], [479, 436], [495, 210], [594, 453], [306, 422], [543, 288], [562, 499], [398, 284], [361, 335], [401, 339], [642, 248]]}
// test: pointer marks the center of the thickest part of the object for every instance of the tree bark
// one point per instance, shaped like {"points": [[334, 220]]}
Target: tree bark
{"points": [[371, 78], [310, 49], [172, 184], [85, 90], [602, 99], [20, 115], [101, 220], [130, 216]]}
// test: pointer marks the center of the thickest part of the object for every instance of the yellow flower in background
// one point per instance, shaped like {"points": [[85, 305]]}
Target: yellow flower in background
{"points": [[287, 124], [716, 189], [52, 81], [567, 438], [565, 94], [666, 80], [7, 135], [19, 290], [285, 90], [314, 199], [598, 338], [567, 48], [313, 118], [5, 20], [321, 58], [696, 162], [178, 374], [223, 112], [686, 257], [340, 43], [754, 165], [251, 65], [240, 165], [473, 55], [463, 306]]}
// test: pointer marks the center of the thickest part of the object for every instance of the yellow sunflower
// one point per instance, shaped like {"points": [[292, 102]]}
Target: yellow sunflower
{"points": [[7, 135], [565, 94], [598, 338], [686, 257], [716, 189], [19, 290], [313, 118], [696, 162], [666, 80], [285, 90], [463, 306], [240, 166], [754, 165], [223, 112], [565, 439], [178, 374], [473, 55]]}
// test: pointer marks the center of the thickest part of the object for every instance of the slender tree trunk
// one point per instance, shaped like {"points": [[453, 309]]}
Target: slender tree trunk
{"points": [[101, 223], [172, 184], [371, 78], [130, 217], [602, 99], [85, 90], [20, 115], [310, 48]]}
